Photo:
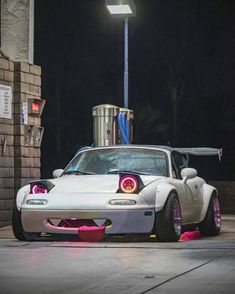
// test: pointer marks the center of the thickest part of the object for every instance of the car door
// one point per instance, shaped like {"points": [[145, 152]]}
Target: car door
{"points": [[190, 192]]}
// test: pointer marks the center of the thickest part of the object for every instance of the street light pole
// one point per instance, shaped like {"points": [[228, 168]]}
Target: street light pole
{"points": [[123, 8], [126, 70]]}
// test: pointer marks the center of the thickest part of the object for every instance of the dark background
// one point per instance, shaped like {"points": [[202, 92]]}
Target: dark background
{"points": [[181, 75]]}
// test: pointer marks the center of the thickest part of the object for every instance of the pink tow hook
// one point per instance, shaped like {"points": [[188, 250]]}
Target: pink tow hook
{"points": [[91, 234]]}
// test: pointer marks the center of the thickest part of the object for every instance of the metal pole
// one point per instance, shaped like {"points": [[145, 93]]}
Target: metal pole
{"points": [[126, 64]]}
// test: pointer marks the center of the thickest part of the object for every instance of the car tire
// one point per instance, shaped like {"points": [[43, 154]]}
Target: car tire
{"points": [[168, 222], [17, 225], [211, 225], [18, 230]]}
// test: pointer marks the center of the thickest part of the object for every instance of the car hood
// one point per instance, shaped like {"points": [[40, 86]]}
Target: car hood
{"points": [[92, 183]]}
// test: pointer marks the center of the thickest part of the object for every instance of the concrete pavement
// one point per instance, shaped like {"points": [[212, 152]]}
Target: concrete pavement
{"points": [[201, 266]]}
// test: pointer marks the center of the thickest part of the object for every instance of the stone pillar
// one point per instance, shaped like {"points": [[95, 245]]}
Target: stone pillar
{"points": [[27, 157], [7, 193], [17, 27]]}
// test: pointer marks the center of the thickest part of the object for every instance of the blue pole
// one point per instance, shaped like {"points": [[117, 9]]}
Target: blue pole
{"points": [[126, 63], [122, 126]]}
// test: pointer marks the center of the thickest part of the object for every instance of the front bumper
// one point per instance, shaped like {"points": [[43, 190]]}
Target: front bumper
{"points": [[123, 221]]}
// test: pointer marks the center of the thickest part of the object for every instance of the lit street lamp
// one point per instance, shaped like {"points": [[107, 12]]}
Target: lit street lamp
{"points": [[123, 8]]}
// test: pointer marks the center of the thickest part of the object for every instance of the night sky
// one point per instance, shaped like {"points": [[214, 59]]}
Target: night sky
{"points": [[181, 53]]}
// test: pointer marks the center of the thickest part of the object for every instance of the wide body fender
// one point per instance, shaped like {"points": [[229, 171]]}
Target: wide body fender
{"points": [[207, 191], [21, 195], [162, 193]]}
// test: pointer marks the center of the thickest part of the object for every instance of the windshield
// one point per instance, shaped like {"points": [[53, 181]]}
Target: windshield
{"points": [[115, 160]]}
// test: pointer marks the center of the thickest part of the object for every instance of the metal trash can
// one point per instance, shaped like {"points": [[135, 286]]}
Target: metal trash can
{"points": [[105, 126]]}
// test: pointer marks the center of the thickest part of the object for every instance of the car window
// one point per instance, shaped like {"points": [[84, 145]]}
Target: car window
{"points": [[103, 161], [178, 163]]}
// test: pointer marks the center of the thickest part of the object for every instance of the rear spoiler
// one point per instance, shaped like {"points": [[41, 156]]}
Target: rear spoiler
{"points": [[201, 151]]}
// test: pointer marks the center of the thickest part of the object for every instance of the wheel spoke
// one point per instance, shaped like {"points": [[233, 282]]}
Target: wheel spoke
{"points": [[177, 217]]}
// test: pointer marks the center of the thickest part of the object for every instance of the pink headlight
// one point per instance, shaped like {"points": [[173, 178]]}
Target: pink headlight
{"points": [[128, 184], [38, 189]]}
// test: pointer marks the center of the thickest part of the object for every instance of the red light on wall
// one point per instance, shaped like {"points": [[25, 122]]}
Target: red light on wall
{"points": [[36, 106]]}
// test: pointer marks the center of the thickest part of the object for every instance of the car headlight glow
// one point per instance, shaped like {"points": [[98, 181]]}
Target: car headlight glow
{"points": [[128, 184], [38, 189]]}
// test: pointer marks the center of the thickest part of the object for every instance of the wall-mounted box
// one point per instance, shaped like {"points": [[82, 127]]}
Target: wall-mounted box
{"points": [[33, 135], [35, 106], [37, 136]]}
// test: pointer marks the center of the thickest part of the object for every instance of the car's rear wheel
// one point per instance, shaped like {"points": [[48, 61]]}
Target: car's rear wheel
{"points": [[17, 227], [168, 222], [211, 225]]}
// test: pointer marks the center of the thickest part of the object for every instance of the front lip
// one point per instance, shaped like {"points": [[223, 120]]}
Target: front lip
{"points": [[74, 224]]}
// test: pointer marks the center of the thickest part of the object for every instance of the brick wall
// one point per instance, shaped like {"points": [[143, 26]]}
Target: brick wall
{"points": [[7, 192], [19, 161], [27, 79]]}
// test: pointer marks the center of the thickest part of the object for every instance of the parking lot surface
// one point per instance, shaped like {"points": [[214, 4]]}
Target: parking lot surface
{"points": [[205, 265]]}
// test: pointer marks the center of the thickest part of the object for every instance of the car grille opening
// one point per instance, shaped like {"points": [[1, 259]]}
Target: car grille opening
{"points": [[75, 223]]}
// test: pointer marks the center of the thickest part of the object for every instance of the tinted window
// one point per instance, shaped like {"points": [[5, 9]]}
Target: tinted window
{"points": [[179, 162]]}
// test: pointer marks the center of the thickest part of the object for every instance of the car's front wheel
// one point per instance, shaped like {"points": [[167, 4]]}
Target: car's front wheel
{"points": [[168, 222], [17, 227], [211, 225]]}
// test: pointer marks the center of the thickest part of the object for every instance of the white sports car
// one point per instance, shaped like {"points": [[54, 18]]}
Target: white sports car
{"points": [[124, 188]]}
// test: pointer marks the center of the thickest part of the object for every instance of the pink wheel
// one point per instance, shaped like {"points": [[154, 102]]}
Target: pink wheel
{"points": [[211, 224]]}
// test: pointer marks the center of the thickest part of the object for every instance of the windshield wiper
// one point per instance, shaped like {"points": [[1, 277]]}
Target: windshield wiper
{"points": [[119, 171], [78, 172]]}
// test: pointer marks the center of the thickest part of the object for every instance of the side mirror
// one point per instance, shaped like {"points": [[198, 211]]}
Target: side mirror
{"points": [[57, 173], [188, 173]]}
